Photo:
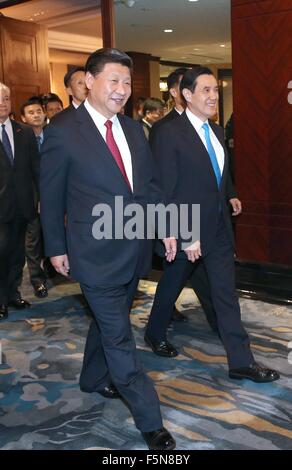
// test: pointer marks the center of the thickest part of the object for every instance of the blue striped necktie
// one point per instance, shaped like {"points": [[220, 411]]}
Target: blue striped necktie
{"points": [[39, 142], [212, 154], [6, 144]]}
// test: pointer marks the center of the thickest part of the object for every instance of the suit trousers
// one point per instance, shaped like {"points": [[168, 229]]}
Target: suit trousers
{"points": [[169, 289], [111, 356], [12, 257], [34, 252], [219, 264]]}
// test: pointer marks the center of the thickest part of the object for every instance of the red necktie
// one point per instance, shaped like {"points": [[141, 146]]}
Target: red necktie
{"points": [[112, 145]]}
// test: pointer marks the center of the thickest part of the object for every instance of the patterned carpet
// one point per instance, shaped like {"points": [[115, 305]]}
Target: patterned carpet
{"points": [[41, 406]]}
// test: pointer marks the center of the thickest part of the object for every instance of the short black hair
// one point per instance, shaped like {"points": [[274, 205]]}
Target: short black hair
{"points": [[151, 104], [70, 73], [189, 79], [174, 77], [50, 98], [29, 102], [98, 59]]}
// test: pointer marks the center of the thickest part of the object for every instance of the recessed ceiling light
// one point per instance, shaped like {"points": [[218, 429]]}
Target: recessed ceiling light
{"points": [[193, 0], [168, 30], [196, 49], [222, 45]]}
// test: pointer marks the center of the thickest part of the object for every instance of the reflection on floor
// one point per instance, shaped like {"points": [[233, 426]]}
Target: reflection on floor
{"points": [[41, 406]]}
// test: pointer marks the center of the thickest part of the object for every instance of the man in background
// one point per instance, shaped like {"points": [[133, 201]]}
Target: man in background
{"points": [[75, 85], [33, 115], [52, 105], [19, 171], [153, 110]]}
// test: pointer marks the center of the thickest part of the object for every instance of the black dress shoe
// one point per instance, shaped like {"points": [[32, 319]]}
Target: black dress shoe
{"points": [[160, 439], [161, 348], [40, 291], [109, 391], [3, 311], [19, 303], [254, 372], [178, 316]]}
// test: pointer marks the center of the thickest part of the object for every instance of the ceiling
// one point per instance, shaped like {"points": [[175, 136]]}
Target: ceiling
{"points": [[200, 28]]}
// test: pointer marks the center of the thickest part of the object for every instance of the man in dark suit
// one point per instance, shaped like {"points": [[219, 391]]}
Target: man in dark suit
{"points": [[33, 115], [74, 81], [153, 110], [89, 157], [199, 280], [19, 169], [193, 168]]}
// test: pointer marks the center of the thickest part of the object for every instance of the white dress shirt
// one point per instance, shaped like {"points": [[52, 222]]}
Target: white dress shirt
{"points": [[9, 131], [119, 136], [197, 124], [75, 104]]}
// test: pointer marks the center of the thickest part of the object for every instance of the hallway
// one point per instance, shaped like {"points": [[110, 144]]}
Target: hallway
{"points": [[42, 407]]}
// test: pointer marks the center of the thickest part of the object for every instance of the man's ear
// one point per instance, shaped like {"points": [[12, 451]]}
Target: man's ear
{"points": [[89, 78], [173, 92], [69, 91], [23, 118], [187, 94]]}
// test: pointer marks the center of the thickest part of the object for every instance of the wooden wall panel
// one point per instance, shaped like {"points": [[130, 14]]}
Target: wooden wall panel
{"points": [[262, 70], [25, 59], [140, 78]]}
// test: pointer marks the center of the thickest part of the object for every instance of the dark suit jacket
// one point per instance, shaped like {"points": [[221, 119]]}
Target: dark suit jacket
{"points": [[187, 176], [77, 172], [17, 182], [173, 114]]}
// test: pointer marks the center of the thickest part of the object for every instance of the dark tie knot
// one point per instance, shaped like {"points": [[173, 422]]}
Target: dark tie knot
{"points": [[108, 124], [3, 126]]}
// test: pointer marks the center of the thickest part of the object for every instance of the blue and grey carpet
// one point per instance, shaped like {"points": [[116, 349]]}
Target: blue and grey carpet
{"points": [[41, 406]]}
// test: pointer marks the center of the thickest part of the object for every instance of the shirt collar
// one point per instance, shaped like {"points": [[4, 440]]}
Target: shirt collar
{"points": [[178, 111], [195, 121], [98, 118], [75, 104], [7, 122]]}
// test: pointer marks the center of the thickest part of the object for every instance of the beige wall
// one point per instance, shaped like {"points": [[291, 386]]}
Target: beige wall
{"points": [[57, 84]]}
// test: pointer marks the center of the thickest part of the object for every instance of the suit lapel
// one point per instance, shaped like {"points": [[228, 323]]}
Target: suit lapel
{"points": [[215, 129], [130, 138], [195, 143], [91, 134]]}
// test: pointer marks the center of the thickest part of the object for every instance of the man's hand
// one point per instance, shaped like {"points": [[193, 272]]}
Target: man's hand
{"points": [[236, 206], [193, 252], [61, 264], [170, 248]]}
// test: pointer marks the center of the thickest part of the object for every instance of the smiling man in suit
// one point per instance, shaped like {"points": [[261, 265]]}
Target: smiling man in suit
{"points": [[193, 169], [19, 170], [89, 157]]}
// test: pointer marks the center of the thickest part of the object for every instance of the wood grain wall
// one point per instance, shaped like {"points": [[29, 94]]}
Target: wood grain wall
{"points": [[262, 70]]}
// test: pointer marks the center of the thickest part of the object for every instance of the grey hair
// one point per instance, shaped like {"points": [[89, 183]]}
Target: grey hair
{"points": [[4, 88]]}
